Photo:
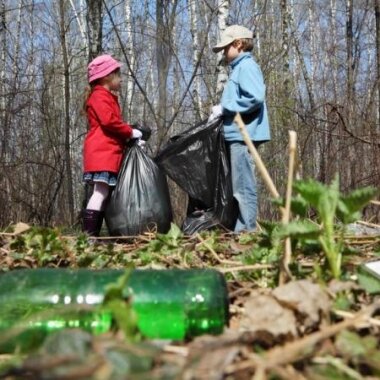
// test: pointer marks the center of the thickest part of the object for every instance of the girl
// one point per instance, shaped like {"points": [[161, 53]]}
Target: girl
{"points": [[105, 140]]}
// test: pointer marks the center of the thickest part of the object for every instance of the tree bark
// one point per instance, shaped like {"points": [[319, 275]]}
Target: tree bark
{"points": [[194, 33], [81, 27], [165, 18], [377, 18], [350, 58], [94, 27], [131, 55], [3, 47], [221, 69], [66, 92]]}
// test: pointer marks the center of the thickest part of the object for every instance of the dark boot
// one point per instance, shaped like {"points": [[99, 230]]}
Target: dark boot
{"points": [[92, 222]]}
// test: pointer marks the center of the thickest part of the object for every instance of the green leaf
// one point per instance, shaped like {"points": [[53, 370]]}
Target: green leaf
{"points": [[349, 206], [310, 190], [328, 203], [174, 232], [327, 371], [173, 237], [299, 206], [300, 229], [353, 346], [124, 317], [368, 282], [116, 290]]}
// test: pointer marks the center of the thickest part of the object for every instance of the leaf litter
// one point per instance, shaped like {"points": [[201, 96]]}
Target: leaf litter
{"points": [[292, 331]]}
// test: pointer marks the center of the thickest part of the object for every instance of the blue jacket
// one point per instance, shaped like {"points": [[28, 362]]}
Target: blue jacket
{"points": [[245, 93]]}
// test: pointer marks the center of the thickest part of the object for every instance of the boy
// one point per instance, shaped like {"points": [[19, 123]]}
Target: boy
{"points": [[243, 93]]}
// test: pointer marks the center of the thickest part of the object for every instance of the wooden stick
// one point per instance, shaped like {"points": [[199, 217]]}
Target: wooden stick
{"points": [[368, 224], [246, 267], [294, 351], [285, 273], [259, 163]]}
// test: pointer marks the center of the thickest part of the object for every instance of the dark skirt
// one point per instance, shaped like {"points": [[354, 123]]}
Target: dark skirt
{"points": [[106, 177]]}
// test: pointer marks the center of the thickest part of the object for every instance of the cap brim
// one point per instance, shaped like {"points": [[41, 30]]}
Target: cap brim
{"points": [[220, 47], [217, 48]]}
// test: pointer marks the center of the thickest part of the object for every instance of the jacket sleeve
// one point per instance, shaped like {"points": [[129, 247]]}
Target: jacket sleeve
{"points": [[250, 89], [108, 115]]}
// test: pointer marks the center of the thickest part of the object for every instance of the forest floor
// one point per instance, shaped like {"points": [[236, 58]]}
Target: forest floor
{"points": [[310, 327]]}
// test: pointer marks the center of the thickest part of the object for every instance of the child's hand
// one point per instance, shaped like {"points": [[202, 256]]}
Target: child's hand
{"points": [[216, 111], [136, 134]]}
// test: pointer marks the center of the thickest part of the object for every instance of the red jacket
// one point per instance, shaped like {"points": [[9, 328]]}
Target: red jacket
{"points": [[107, 134]]}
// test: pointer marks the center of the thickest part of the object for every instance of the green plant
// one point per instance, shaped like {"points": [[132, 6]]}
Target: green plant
{"points": [[118, 303], [333, 210], [43, 244]]}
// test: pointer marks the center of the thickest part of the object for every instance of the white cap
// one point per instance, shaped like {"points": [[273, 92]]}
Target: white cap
{"points": [[232, 33]]}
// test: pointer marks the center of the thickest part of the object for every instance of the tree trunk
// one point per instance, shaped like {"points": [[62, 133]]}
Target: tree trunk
{"points": [[221, 69], [313, 50], [194, 33], [165, 18], [350, 58], [285, 15], [81, 27], [377, 16], [66, 92], [3, 47], [334, 42], [131, 56], [94, 27]]}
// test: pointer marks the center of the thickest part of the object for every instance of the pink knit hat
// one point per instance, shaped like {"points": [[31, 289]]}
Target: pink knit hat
{"points": [[102, 66]]}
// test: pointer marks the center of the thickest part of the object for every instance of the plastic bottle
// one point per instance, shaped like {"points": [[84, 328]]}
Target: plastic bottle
{"points": [[169, 304]]}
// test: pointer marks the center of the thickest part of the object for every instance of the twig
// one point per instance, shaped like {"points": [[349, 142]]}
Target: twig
{"points": [[179, 350], [285, 273], [368, 224], [377, 203], [214, 254], [346, 314], [297, 350], [246, 267]]}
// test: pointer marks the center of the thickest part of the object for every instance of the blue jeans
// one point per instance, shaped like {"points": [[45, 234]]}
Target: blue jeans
{"points": [[244, 185]]}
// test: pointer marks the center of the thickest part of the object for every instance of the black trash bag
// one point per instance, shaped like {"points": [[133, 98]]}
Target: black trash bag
{"points": [[198, 162], [140, 200]]}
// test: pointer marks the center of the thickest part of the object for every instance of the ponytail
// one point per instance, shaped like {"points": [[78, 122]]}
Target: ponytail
{"points": [[86, 94]]}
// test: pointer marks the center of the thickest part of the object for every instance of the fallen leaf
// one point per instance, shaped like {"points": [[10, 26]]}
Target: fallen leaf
{"points": [[263, 312], [308, 300], [20, 228]]}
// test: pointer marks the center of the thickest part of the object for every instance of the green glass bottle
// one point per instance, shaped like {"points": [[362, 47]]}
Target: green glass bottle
{"points": [[169, 304]]}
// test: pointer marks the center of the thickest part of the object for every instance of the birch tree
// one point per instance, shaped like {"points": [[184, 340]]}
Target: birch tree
{"points": [[195, 38], [81, 26], [223, 10], [130, 52], [67, 118], [94, 20]]}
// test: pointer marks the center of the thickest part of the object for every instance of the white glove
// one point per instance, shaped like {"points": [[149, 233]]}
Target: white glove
{"points": [[141, 143], [136, 134], [216, 111]]}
